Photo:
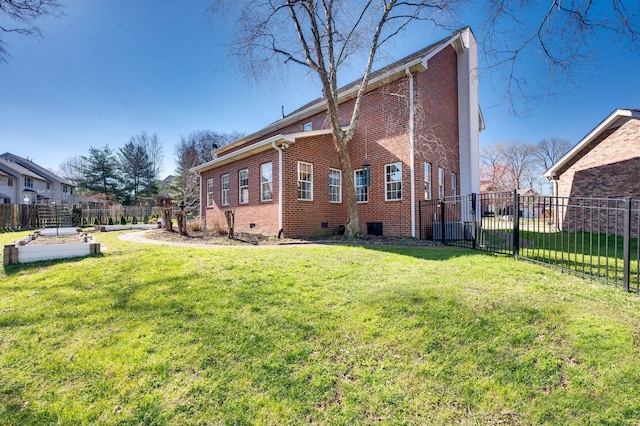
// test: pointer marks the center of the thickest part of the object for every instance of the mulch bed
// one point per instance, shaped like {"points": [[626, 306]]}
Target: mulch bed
{"points": [[210, 237]]}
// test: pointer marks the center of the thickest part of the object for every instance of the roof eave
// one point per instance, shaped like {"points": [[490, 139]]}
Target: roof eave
{"points": [[597, 131], [257, 147]]}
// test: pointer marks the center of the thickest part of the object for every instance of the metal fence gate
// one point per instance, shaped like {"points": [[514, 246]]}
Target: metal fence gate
{"points": [[594, 237]]}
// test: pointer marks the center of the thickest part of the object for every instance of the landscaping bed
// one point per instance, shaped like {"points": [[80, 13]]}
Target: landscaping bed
{"points": [[45, 245], [214, 238]]}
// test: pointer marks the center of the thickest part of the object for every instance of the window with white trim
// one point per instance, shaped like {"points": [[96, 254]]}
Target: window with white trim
{"points": [[28, 182], [305, 181], [209, 192], [307, 127], [335, 186], [427, 181], [393, 182], [9, 182], [362, 192], [266, 182], [224, 190], [243, 186], [454, 185], [441, 183]]}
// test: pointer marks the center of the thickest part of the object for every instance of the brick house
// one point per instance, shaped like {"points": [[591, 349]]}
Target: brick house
{"points": [[605, 163], [417, 139]]}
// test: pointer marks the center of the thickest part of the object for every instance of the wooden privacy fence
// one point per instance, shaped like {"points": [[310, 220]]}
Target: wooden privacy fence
{"points": [[19, 216], [101, 216]]}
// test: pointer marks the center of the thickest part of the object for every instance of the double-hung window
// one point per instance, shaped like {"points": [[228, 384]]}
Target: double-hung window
{"points": [[243, 186], [28, 182], [441, 183], [393, 182], [335, 186], [427, 181], [9, 182], [305, 181], [209, 192], [224, 190], [266, 182], [362, 192]]}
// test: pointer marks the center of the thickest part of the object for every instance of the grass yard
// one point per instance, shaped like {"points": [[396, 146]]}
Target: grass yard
{"points": [[332, 335]]}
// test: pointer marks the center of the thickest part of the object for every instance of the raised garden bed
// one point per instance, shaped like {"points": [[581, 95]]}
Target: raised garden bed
{"points": [[50, 244]]}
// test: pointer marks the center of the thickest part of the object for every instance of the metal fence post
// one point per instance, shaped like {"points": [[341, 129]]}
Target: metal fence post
{"points": [[516, 224], [442, 223], [626, 245], [474, 220]]}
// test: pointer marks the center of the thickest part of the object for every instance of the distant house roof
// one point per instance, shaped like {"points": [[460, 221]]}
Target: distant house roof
{"points": [[35, 168], [8, 165], [616, 119]]}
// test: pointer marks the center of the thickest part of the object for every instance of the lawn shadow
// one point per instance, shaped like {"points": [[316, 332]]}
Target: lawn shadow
{"points": [[19, 267], [438, 252]]}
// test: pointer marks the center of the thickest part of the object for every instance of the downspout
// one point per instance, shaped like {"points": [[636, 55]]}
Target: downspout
{"points": [[203, 210], [280, 225], [412, 154]]}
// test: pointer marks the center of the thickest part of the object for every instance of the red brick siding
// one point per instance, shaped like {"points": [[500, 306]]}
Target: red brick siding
{"points": [[264, 214], [607, 167], [381, 138]]}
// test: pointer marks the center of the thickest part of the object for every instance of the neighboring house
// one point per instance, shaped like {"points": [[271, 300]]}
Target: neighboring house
{"points": [[417, 139], [31, 183], [164, 198], [605, 164]]}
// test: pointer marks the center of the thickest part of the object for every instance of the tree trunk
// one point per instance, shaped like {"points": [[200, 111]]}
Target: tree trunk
{"points": [[230, 215], [181, 217], [352, 227], [167, 216]]}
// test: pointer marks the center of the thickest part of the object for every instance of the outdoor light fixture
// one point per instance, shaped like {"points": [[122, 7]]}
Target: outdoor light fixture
{"points": [[26, 199]]}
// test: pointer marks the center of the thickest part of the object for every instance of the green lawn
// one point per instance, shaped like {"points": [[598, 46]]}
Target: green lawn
{"points": [[294, 335]]}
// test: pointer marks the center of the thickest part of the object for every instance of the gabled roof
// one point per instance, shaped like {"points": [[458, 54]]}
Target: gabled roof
{"points": [[616, 119], [17, 168], [415, 62], [35, 168]]}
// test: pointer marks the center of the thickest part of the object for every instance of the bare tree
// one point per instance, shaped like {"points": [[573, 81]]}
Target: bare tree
{"points": [[549, 151], [322, 36], [563, 38], [19, 16], [195, 149], [72, 168], [509, 166]]}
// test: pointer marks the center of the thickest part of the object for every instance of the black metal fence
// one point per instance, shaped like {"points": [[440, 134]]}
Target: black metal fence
{"points": [[594, 237]]}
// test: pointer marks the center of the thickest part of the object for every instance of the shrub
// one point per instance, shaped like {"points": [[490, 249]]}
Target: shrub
{"points": [[96, 221], [110, 222], [123, 220], [134, 221], [76, 215], [146, 219], [194, 226]]}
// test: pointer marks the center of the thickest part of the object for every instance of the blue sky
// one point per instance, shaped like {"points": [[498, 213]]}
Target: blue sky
{"points": [[110, 69]]}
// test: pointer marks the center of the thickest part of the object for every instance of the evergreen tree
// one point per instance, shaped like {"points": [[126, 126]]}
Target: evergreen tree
{"points": [[100, 172]]}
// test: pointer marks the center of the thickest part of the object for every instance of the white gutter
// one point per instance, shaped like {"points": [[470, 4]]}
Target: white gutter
{"points": [[412, 154], [280, 220], [608, 122], [260, 146], [203, 210]]}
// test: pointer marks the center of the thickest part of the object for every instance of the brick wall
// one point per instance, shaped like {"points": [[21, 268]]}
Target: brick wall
{"points": [[381, 138], [607, 167]]}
